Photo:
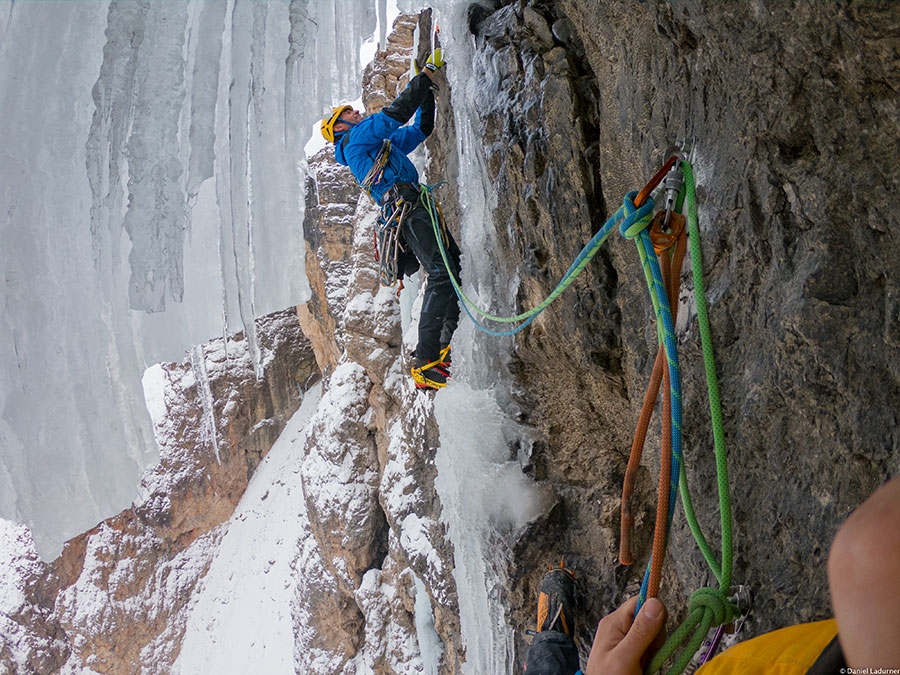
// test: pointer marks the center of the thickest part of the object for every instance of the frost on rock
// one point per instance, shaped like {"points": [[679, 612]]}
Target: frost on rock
{"points": [[210, 440], [23, 649], [128, 604], [331, 198], [372, 313], [326, 621], [406, 485], [385, 598], [340, 478]]}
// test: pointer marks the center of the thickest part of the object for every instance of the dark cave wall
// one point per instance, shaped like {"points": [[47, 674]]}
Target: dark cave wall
{"points": [[794, 108]]}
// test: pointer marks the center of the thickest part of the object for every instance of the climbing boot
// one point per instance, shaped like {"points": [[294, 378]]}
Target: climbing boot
{"points": [[429, 374], [556, 601]]}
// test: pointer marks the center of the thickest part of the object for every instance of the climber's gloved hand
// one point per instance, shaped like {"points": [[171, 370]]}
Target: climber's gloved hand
{"points": [[435, 61]]}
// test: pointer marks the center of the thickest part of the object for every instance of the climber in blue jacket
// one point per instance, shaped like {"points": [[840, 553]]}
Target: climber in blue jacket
{"points": [[375, 148]]}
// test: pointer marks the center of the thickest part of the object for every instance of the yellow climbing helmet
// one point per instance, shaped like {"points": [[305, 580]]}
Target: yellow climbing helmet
{"points": [[329, 122]]}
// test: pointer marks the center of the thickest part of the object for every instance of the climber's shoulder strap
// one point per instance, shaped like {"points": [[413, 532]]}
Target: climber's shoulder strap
{"points": [[376, 171]]}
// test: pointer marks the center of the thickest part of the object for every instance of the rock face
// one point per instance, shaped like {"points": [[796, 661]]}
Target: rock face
{"points": [[330, 210], [791, 105], [115, 600], [368, 467]]}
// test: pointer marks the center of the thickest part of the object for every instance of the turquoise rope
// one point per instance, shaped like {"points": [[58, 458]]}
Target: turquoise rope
{"points": [[627, 217]]}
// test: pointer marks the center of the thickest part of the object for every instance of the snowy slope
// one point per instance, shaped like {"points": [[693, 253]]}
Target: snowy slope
{"points": [[241, 618]]}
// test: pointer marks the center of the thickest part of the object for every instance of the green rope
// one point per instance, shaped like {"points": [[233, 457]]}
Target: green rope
{"points": [[585, 257], [708, 607]]}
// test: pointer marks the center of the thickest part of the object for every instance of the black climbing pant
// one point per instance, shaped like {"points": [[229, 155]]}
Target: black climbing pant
{"points": [[552, 653], [440, 307]]}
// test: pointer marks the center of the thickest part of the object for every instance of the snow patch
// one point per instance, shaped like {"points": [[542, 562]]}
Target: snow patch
{"points": [[241, 620]]}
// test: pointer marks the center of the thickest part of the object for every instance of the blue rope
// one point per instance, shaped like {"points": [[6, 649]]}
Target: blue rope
{"points": [[667, 330]]}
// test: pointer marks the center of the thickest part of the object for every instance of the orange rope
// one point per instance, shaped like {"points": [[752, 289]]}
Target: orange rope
{"points": [[671, 270], [670, 263], [626, 556]]}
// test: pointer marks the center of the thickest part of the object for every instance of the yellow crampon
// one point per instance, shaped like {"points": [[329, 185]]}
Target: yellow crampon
{"points": [[444, 355], [423, 381]]}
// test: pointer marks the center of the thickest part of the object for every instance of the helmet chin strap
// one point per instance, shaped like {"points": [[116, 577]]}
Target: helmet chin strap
{"points": [[344, 131]]}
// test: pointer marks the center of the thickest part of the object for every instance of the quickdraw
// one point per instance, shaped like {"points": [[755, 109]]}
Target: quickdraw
{"points": [[387, 239], [387, 231]]}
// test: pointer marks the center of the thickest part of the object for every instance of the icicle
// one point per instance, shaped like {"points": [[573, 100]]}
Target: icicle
{"points": [[208, 422]]}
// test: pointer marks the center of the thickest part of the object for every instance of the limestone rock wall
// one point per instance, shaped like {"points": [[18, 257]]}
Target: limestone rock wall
{"points": [[792, 106], [368, 466], [330, 210]]}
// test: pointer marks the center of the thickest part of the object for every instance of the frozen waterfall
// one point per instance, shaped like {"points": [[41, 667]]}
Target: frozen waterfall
{"points": [[151, 192]]}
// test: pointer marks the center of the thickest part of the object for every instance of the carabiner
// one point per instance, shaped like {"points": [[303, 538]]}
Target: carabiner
{"points": [[673, 185]]}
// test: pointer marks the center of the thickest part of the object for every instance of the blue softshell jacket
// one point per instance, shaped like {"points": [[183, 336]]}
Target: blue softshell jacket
{"points": [[358, 147]]}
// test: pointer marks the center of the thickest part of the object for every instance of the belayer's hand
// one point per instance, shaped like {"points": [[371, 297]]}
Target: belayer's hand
{"points": [[622, 641]]}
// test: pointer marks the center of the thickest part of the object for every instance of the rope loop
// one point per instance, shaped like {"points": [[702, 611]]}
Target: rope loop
{"points": [[715, 606], [637, 218], [708, 609]]}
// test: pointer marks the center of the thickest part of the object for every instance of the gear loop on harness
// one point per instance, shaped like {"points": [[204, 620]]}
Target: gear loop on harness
{"points": [[388, 238]]}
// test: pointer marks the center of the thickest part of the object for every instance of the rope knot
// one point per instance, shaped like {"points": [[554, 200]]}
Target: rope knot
{"points": [[715, 606], [637, 219]]}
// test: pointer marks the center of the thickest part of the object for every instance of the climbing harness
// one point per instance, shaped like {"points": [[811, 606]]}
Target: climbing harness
{"points": [[388, 231], [662, 244]]}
